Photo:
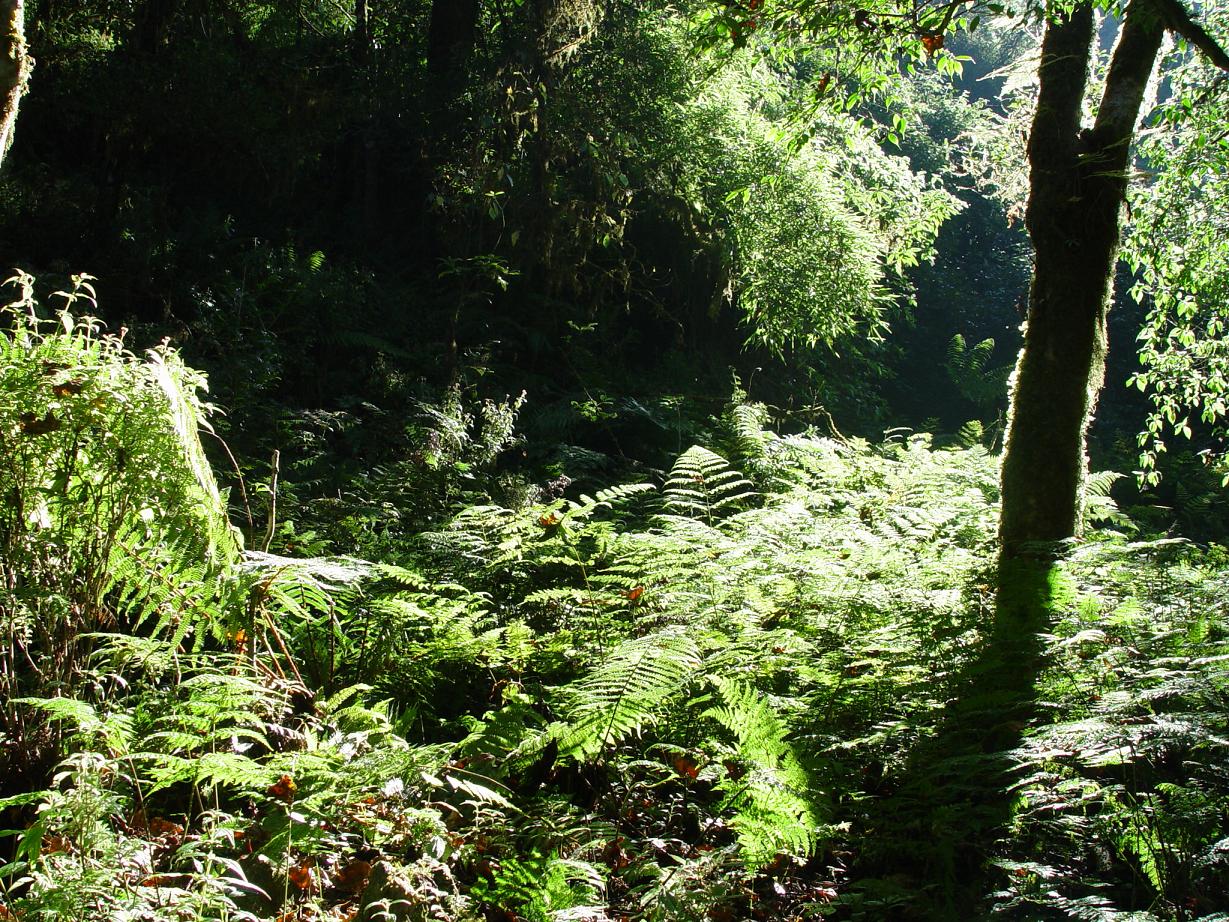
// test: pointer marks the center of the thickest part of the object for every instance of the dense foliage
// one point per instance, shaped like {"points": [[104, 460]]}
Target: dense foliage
{"points": [[586, 508], [740, 691], [1177, 248]]}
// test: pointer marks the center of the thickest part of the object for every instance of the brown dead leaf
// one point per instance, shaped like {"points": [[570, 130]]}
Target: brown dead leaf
{"points": [[353, 877], [32, 425], [53, 843], [686, 767], [67, 388], [300, 875], [284, 789], [161, 828]]}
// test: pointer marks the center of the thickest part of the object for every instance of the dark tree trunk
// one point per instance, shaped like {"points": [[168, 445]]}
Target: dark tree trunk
{"points": [[450, 41], [362, 33], [15, 66], [367, 150], [152, 26], [557, 29], [1077, 188]]}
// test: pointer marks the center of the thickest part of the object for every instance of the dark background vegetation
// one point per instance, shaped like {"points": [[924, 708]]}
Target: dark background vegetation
{"points": [[322, 222]]}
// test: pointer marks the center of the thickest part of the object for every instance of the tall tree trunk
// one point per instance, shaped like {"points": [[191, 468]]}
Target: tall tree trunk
{"points": [[1077, 188], [367, 153], [151, 26], [15, 65], [450, 40], [451, 36], [362, 33]]}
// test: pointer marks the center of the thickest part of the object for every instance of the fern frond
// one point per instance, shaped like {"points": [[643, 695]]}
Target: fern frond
{"points": [[231, 770], [703, 485], [756, 447], [161, 581], [770, 793], [179, 386], [1099, 483], [627, 690], [1099, 505], [971, 433], [575, 512], [557, 595], [968, 368]]}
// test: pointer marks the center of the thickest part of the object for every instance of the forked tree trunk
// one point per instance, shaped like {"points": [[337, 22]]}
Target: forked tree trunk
{"points": [[1077, 189], [15, 64]]}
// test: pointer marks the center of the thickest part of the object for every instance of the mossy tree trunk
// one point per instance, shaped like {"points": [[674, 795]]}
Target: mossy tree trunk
{"points": [[1077, 188], [15, 64]]}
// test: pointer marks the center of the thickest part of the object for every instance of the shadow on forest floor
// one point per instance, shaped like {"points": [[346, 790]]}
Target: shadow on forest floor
{"points": [[928, 840]]}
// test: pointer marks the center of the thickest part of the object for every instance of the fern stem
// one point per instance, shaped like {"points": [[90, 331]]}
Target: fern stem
{"points": [[275, 465], [281, 643], [243, 492]]}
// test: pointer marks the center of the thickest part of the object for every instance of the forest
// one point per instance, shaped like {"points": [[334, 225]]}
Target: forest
{"points": [[612, 460]]}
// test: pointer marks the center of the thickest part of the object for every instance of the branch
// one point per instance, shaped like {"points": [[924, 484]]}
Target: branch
{"points": [[1177, 19], [1063, 76], [1130, 69]]}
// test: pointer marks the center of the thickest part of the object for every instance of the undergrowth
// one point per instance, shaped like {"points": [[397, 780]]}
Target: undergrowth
{"points": [[712, 695]]}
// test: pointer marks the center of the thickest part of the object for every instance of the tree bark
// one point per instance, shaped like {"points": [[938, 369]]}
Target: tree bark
{"points": [[362, 33], [151, 26], [366, 170], [1077, 188], [15, 66], [450, 40]]}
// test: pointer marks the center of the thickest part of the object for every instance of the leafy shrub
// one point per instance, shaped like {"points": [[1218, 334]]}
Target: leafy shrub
{"points": [[107, 492]]}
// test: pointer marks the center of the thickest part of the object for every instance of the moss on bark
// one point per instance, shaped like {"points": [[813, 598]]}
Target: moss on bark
{"points": [[1077, 188]]}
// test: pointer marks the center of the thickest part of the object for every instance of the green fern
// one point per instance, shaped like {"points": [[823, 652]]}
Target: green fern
{"points": [[758, 449], [971, 433], [162, 583], [113, 732], [626, 691], [604, 499], [765, 786], [111, 513], [969, 368], [1099, 505], [703, 485]]}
